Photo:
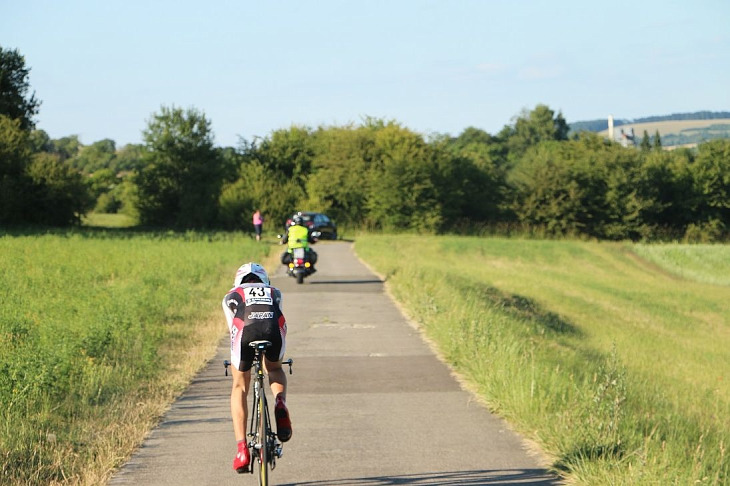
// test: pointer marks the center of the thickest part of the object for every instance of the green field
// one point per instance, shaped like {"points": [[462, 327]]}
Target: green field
{"points": [[99, 330], [701, 263], [615, 364], [613, 357], [104, 220]]}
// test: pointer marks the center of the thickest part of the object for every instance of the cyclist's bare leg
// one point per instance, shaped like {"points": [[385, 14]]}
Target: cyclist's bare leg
{"points": [[277, 378], [239, 402]]}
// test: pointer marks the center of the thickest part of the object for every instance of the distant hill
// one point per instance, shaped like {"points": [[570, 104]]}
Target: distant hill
{"points": [[675, 130]]}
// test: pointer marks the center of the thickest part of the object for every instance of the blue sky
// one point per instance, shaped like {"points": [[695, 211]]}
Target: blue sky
{"points": [[102, 68]]}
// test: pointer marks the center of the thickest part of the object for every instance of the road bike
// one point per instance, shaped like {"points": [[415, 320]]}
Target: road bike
{"points": [[263, 444]]}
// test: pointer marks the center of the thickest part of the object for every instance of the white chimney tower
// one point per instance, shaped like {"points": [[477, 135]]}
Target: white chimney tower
{"points": [[610, 128]]}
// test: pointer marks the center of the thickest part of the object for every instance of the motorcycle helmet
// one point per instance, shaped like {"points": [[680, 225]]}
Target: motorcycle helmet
{"points": [[297, 219], [250, 268]]}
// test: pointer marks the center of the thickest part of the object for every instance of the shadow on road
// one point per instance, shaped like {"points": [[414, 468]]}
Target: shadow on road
{"points": [[345, 282], [496, 477]]}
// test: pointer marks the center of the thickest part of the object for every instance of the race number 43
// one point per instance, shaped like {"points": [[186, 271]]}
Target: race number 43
{"points": [[259, 295]]}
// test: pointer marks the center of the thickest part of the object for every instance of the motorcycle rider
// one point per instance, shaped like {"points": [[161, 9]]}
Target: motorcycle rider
{"points": [[298, 235]]}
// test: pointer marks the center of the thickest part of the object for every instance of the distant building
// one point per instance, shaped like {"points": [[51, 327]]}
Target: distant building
{"points": [[626, 139]]}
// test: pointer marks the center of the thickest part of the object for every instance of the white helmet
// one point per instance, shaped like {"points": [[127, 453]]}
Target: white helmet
{"points": [[250, 268]]}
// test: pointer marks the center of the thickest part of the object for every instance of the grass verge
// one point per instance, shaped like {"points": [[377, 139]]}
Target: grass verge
{"points": [[617, 369], [99, 331]]}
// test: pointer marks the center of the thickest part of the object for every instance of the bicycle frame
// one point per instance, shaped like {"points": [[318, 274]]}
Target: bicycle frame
{"points": [[263, 444]]}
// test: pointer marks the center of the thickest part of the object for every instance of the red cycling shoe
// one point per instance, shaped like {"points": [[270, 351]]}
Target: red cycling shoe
{"points": [[242, 459], [283, 423]]}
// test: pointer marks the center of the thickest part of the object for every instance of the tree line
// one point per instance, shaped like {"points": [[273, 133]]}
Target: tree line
{"points": [[532, 177]]}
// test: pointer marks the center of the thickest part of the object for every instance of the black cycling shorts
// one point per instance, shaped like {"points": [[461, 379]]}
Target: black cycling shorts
{"points": [[260, 331]]}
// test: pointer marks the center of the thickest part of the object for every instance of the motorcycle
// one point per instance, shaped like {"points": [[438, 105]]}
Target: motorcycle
{"points": [[300, 265]]}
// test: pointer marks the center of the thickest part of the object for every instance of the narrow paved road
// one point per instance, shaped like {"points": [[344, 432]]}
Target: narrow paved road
{"points": [[369, 401]]}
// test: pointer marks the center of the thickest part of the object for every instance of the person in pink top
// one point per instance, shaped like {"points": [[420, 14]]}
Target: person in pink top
{"points": [[258, 223]]}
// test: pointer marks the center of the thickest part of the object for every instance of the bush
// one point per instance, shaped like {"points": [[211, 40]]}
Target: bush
{"points": [[709, 232]]}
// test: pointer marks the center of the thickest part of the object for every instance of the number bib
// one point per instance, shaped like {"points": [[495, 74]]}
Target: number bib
{"points": [[259, 295]]}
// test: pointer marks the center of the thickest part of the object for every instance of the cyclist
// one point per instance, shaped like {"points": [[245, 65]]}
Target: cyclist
{"points": [[298, 236], [253, 312]]}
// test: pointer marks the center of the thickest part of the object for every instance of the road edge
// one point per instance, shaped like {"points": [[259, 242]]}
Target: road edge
{"points": [[531, 446]]}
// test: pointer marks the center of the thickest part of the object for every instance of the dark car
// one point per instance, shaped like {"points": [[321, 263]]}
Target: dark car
{"points": [[318, 222]]}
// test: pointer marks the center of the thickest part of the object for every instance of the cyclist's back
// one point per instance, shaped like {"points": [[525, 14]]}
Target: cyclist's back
{"points": [[254, 313]]}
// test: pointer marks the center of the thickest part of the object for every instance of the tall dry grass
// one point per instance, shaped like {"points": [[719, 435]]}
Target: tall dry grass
{"points": [[615, 366]]}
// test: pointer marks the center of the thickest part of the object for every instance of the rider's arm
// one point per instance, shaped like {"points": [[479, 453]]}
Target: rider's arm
{"points": [[277, 297], [230, 303]]}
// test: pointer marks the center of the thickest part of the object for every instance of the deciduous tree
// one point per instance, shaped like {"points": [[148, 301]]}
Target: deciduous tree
{"points": [[402, 182], [338, 183], [711, 173], [15, 100], [14, 158], [530, 128], [99, 155], [180, 183], [59, 193]]}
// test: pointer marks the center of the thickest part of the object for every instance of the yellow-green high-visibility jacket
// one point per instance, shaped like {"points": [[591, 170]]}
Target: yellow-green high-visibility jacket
{"points": [[295, 233]]}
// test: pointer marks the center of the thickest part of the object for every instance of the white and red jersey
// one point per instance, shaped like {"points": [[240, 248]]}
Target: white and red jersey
{"points": [[254, 309]]}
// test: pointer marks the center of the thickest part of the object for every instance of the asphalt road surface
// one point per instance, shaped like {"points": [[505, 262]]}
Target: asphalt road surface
{"points": [[370, 403]]}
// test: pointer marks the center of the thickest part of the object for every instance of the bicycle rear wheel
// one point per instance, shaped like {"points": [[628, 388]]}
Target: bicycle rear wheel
{"points": [[263, 436]]}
